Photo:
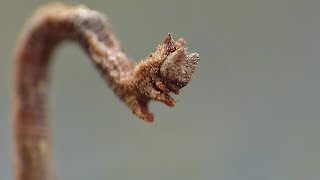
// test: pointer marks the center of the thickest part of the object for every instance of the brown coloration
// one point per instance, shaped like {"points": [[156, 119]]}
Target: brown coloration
{"points": [[167, 70]]}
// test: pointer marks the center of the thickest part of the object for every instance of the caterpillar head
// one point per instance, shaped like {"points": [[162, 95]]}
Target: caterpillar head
{"points": [[179, 66]]}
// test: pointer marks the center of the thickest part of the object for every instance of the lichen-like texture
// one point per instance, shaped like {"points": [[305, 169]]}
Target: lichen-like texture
{"points": [[168, 69]]}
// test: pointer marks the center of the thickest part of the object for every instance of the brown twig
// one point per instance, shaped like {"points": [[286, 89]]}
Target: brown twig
{"points": [[167, 70]]}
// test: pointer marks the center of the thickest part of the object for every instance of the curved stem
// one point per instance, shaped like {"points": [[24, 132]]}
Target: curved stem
{"points": [[167, 70]]}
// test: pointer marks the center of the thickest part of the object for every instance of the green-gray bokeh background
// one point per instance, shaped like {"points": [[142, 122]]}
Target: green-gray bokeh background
{"points": [[250, 113]]}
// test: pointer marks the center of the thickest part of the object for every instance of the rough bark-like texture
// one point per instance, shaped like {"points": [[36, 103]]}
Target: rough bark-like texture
{"points": [[167, 70]]}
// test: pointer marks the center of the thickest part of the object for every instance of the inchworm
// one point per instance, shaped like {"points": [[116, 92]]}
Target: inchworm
{"points": [[166, 70]]}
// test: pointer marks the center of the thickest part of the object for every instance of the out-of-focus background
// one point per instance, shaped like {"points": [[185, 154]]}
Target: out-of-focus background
{"points": [[252, 112]]}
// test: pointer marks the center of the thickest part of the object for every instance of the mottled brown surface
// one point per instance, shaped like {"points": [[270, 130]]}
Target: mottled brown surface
{"points": [[135, 85]]}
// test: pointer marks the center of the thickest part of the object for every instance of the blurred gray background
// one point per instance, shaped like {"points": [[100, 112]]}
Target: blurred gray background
{"points": [[252, 112]]}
